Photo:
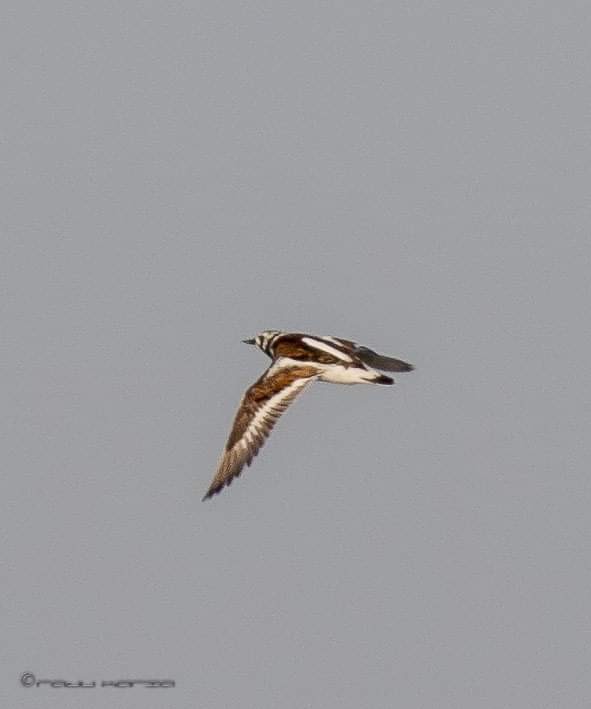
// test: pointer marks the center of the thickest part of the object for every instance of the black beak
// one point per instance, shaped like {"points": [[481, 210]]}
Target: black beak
{"points": [[249, 342]]}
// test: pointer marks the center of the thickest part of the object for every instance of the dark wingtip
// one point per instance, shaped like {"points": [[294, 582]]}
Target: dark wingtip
{"points": [[216, 489], [211, 492], [378, 361]]}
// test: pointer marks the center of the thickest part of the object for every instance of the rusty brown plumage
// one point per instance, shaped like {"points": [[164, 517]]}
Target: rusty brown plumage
{"points": [[260, 408], [290, 346], [297, 359]]}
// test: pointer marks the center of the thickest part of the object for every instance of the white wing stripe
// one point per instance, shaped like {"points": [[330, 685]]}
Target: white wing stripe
{"points": [[324, 347], [333, 339], [262, 413]]}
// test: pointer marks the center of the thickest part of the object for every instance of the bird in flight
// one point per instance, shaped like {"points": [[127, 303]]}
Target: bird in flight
{"points": [[297, 360]]}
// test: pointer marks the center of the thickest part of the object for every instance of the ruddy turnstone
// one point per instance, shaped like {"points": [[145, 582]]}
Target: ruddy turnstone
{"points": [[296, 361]]}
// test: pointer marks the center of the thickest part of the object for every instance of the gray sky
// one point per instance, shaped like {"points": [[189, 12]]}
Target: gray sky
{"points": [[414, 176]]}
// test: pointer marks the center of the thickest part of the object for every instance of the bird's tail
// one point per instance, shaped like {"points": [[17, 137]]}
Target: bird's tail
{"points": [[382, 379]]}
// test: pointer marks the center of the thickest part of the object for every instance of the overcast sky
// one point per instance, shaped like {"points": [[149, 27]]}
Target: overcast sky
{"points": [[179, 176]]}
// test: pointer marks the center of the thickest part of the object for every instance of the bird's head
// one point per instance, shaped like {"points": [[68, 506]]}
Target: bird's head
{"points": [[263, 339]]}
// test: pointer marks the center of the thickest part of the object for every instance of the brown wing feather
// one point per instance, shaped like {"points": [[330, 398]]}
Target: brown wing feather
{"points": [[292, 346], [260, 408]]}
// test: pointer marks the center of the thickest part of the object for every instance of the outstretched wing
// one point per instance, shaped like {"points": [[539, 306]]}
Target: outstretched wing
{"points": [[373, 359], [260, 408], [378, 361]]}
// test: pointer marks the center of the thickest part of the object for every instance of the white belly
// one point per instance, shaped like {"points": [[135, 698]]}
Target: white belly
{"points": [[335, 374]]}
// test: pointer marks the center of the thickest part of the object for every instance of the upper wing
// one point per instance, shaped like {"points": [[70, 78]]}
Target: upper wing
{"points": [[373, 359], [260, 408], [378, 361]]}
